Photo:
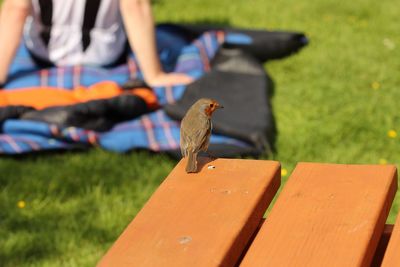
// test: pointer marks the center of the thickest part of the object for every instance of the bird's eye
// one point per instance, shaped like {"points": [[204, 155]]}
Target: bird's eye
{"points": [[211, 105]]}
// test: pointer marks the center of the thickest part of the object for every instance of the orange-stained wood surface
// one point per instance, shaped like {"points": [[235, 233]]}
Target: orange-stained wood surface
{"points": [[201, 219], [392, 254], [326, 215]]}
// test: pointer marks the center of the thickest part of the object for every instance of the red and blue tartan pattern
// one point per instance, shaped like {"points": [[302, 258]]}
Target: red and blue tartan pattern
{"points": [[154, 131]]}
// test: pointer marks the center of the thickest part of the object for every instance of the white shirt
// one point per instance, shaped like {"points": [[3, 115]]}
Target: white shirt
{"points": [[65, 45]]}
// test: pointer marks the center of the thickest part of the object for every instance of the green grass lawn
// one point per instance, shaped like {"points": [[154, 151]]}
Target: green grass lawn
{"points": [[335, 101]]}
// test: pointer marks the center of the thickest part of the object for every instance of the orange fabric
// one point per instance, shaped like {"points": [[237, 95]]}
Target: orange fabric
{"points": [[148, 96], [43, 97]]}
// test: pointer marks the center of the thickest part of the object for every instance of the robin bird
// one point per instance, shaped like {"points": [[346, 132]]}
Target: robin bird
{"points": [[196, 129]]}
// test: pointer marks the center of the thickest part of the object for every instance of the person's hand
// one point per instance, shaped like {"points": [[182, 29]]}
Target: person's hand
{"points": [[169, 79]]}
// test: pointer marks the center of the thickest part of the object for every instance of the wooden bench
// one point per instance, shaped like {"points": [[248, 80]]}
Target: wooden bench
{"points": [[326, 215]]}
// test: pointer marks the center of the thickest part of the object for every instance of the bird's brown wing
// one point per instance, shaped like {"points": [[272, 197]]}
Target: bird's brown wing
{"points": [[195, 138], [184, 142], [201, 137], [206, 139]]}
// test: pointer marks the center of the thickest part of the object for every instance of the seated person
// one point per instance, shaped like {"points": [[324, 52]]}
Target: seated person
{"points": [[87, 32]]}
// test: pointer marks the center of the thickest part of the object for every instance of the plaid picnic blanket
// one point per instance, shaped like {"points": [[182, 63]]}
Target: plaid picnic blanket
{"points": [[153, 131]]}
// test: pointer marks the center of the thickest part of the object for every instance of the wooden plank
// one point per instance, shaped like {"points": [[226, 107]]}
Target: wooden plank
{"points": [[202, 219], [392, 254], [326, 215]]}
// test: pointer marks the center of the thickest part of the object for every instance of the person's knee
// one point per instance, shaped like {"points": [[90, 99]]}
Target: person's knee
{"points": [[132, 4], [16, 4], [16, 8]]}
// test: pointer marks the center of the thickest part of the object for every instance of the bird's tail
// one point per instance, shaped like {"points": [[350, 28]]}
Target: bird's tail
{"points": [[192, 162]]}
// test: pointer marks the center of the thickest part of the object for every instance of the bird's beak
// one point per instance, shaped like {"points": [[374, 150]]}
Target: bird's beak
{"points": [[220, 106]]}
